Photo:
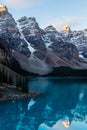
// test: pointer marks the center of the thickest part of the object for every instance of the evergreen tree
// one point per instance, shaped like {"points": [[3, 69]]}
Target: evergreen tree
{"points": [[0, 78], [10, 79], [25, 85]]}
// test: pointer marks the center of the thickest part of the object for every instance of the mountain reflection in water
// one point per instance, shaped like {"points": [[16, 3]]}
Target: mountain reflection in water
{"points": [[62, 105]]}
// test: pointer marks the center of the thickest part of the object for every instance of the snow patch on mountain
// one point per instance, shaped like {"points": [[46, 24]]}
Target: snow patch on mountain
{"points": [[29, 26], [23, 37], [78, 38], [46, 40]]}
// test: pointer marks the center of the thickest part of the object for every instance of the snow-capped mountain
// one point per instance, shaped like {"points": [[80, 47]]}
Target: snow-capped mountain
{"points": [[78, 38], [30, 26], [39, 50], [9, 31], [7, 23]]}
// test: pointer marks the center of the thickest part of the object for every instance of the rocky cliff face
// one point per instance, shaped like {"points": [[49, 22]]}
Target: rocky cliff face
{"points": [[78, 38], [45, 40], [9, 31], [39, 50], [7, 23]]}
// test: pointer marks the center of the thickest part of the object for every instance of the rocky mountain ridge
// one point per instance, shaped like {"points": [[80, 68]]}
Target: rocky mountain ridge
{"points": [[40, 50], [78, 38]]}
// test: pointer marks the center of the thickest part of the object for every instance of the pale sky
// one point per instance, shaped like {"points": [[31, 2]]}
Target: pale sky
{"points": [[51, 12]]}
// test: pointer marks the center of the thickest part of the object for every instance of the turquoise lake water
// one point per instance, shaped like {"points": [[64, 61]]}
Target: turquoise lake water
{"points": [[61, 106]]}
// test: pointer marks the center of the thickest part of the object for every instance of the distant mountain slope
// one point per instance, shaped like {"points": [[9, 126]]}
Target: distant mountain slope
{"points": [[78, 38]]}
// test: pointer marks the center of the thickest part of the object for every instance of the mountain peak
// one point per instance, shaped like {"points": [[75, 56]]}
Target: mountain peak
{"points": [[32, 19], [29, 26], [66, 28], [2, 8], [50, 28], [25, 19]]}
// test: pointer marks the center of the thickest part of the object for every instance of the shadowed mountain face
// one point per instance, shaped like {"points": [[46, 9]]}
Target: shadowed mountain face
{"points": [[39, 50]]}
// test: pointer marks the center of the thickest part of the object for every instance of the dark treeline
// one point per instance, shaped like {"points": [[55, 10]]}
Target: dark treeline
{"points": [[67, 71], [10, 77], [12, 74]]}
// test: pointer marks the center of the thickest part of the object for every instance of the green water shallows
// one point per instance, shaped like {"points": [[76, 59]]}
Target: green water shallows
{"points": [[62, 105]]}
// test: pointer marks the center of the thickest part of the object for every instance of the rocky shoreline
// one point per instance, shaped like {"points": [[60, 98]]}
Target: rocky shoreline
{"points": [[10, 92]]}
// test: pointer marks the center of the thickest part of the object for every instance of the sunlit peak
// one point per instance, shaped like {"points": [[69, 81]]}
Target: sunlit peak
{"points": [[2, 8], [66, 28]]}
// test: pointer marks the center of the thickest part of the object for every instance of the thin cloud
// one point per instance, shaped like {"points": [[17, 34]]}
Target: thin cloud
{"points": [[71, 21], [59, 24], [19, 3]]}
